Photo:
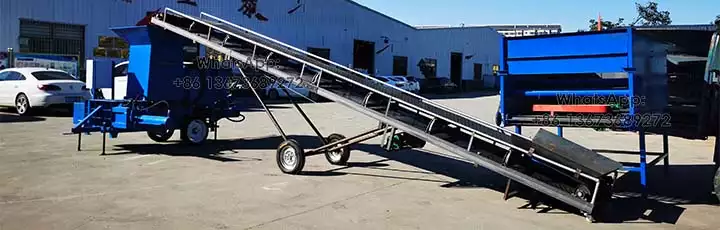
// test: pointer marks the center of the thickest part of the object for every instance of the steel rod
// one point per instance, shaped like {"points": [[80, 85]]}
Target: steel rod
{"points": [[79, 141], [267, 110], [321, 148], [302, 113], [366, 137]]}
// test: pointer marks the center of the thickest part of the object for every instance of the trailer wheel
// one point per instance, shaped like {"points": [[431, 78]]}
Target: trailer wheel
{"points": [[160, 135], [340, 156], [290, 157], [195, 132]]}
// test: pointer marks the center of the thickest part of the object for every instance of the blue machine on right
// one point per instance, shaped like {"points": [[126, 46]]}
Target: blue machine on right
{"points": [[661, 80]]}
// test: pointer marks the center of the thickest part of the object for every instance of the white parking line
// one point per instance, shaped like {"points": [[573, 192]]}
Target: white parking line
{"points": [[157, 161], [275, 186], [135, 157]]}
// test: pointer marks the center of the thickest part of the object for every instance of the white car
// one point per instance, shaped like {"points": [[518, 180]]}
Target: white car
{"points": [[397, 81], [414, 84], [275, 91], [27, 88]]}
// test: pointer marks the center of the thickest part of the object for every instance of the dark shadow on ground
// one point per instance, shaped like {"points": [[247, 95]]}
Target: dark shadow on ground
{"points": [[474, 94], [684, 185], [680, 185], [14, 118]]}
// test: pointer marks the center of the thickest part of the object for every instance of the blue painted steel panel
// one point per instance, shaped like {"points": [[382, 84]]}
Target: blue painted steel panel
{"points": [[569, 45], [79, 112], [139, 71], [556, 93], [568, 66], [152, 120], [121, 117]]}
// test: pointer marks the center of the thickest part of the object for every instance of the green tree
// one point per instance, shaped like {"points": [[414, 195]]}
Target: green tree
{"points": [[650, 15], [717, 22], [606, 24], [647, 15]]}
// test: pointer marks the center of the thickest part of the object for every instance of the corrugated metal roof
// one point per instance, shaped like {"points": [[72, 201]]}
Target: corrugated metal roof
{"points": [[698, 27]]}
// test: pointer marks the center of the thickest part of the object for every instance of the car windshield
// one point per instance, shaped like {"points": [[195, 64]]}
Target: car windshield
{"points": [[411, 79], [52, 75], [397, 78]]}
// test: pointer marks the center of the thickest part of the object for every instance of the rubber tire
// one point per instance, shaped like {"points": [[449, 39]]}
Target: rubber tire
{"points": [[184, 133], [344, 152], [160, 137], [27, 104], [716, 183], [299, 156], [498, 118], [273, 94]]}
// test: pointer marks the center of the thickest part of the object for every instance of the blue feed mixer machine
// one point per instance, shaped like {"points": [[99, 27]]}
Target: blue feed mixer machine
{"points": [[164, 91]]}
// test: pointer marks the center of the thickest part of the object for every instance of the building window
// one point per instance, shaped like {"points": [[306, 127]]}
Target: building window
{"points": [[428, 67], [60, 39], [114, 47]]}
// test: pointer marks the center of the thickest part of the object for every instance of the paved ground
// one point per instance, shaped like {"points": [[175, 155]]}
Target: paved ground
{"points": [[234, 182]]}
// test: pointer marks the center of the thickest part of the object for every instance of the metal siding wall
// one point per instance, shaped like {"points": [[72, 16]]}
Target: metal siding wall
{"points": [[4, 33], [319, 23]]}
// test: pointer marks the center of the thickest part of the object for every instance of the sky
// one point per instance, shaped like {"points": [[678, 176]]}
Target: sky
{"points": [[571, 14]]}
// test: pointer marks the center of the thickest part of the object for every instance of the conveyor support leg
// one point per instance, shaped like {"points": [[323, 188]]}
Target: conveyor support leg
{"points": [[643, 162], [666, 153]]}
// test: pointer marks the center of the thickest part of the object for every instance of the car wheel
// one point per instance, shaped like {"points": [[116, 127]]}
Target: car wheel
{"points": [[22, 104]]}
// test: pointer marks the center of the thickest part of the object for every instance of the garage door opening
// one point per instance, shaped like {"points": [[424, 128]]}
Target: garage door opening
{"points": [[364, 55]]}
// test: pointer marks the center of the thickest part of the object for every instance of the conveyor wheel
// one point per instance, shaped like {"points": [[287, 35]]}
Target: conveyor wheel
{"points": [[340, 156], [290, 157], [583, 192], [160, 135], [195, 131]]}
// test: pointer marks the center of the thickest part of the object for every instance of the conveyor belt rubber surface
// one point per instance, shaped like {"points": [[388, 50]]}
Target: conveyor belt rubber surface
{"points": [[479, 142]]}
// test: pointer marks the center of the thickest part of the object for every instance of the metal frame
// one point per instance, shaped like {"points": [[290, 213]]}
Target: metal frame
{"points": [[383, 118]]}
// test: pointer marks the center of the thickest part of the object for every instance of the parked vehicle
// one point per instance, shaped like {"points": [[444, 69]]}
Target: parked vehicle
{"points": [[398, 81], [439, 85], [275, 91], [31, 87], [414, 84]]}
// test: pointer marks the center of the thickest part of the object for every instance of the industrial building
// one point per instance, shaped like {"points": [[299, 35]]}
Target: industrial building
{"points": [[509, 30], [526, 30], [343, 30]]}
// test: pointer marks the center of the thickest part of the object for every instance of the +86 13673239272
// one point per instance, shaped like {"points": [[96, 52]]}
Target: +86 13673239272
{"points": [[646, 120]]}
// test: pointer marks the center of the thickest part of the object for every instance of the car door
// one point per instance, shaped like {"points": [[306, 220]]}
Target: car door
{"points": [[4, 91], [12, 85], [15, 83]]}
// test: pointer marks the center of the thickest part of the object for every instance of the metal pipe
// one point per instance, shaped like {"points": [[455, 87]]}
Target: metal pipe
{"points": [[321, 148], [302, 113], [367, 137], [267, 110]]}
